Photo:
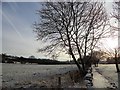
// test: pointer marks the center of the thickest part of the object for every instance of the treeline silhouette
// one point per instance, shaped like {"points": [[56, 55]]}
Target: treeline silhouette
{"points": [[4, 58], [14, 59]]}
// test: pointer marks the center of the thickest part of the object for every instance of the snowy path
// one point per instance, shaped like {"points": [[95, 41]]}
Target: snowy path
{"points": [[99, 81]]}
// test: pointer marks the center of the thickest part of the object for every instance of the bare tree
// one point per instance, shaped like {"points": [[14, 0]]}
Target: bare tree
{"points": [[75, 27], [97, 56], [116, 13], [54, 57], [114, 54], [116, 60]]}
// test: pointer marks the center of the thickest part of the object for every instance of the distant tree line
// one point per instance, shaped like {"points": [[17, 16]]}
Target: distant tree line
{"points": [[111, 60], [14, 59], [4, 58]]}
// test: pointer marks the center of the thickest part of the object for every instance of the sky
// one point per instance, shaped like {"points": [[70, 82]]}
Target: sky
{"points": [[17, 36], [17, 28]]}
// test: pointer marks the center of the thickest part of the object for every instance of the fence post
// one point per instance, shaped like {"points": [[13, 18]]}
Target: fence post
{"points": [[59, 81]]}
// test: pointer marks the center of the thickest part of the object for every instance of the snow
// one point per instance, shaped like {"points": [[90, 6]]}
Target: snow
{"points": [[99, 81], [106, 75], [88, 75], [14, 74]]}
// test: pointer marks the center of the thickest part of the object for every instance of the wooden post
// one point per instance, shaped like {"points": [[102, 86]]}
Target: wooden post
{"points": [[59, 81]]}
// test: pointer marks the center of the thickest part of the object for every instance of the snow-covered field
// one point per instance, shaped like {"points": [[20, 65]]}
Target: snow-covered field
{"points": [[16, 74], [109, 72]]}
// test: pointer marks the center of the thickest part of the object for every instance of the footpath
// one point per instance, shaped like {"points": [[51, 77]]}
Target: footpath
{"points": [[99, 81]]}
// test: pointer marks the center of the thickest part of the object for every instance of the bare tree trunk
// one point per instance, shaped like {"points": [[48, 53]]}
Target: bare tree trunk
{"points": [[82, 62], [116, 61], [78, 65], [71, 53]]}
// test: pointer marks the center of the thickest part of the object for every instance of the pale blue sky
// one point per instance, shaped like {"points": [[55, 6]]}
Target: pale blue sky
{"points": [[18, 37], [17, 31]]}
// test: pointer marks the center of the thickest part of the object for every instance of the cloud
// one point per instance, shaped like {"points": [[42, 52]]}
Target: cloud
{"points": [[12, 24]]}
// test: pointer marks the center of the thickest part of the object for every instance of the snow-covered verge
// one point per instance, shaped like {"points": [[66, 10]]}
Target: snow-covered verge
{"points": [[22, 75], [109, 72]]}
